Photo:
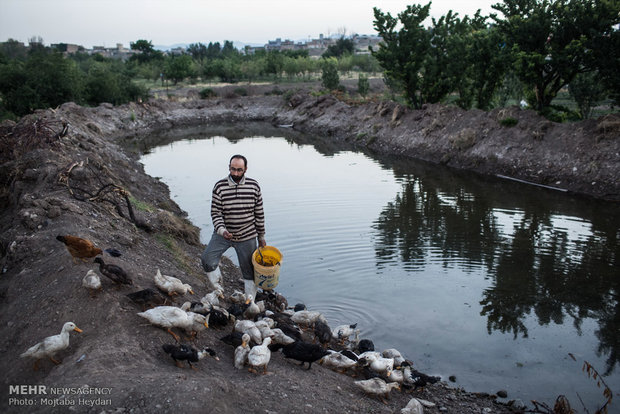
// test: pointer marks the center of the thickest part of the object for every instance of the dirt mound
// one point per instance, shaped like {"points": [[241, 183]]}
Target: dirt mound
{"points": [[63, 172]]}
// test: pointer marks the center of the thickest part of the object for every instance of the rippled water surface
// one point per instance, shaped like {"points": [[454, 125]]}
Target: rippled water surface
{"points": [[494, 282]]}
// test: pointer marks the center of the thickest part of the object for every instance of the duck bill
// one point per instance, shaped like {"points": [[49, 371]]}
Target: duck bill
{"points": [[76, 329], [206, 324], [191, 291]]}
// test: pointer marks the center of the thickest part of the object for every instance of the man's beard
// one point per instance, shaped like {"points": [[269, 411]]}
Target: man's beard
{"points": [[236, 179]]}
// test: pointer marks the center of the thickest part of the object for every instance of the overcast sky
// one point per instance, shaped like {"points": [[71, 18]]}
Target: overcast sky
{"points": [[168, 22]]}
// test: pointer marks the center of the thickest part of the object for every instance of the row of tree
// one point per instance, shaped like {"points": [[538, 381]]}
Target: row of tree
{"points": [[537, 48], [547, 45]]}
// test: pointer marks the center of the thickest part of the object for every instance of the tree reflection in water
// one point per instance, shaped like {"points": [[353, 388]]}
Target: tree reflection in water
{"points": [[538, 267]]}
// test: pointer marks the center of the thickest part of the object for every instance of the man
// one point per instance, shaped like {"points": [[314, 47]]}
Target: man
{"points": [[238, 221]]}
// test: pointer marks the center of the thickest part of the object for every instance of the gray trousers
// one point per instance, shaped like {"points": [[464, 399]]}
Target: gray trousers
{"points": [[211, 256]]}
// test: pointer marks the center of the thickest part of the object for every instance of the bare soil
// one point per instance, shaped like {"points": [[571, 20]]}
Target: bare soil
{"points": [[76, 182]]}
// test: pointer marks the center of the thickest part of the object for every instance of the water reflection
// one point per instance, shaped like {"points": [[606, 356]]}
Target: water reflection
{"points": [[539, 260], [501, 279]]}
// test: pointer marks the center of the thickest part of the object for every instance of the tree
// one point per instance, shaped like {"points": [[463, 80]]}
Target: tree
{"points": [[552, 41], [586, 90], [402, 52], [147, 51], [363, 86], [329, 77], [198, 51], [343, 46], [178, 68]]}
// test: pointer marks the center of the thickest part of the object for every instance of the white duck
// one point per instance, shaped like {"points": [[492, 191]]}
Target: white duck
{"points": [[377, 387], [337, 361], [92, 282], [249, 327], [253, 309], [279, 337], [259, 356], [171, 285], [379, 364], [306, 317], [51, 345], [172, 317], [264, 326], [394, 354], [213, 298], [237, 297], [241, 352], [342, 333]]}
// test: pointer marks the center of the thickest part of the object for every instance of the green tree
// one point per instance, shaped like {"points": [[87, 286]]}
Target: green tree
{"points": [[198, 51], [342, 47], [363, 86], [403, 50], [178, 68], [552, 41], [147, 52], [586, 90], [329, 77]]}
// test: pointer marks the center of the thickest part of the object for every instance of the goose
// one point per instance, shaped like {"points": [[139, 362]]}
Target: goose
{"points": [[172, 317], [171, 285], [377, 387], [259, 356], [92, 282], [51, 345], [241, 352]]}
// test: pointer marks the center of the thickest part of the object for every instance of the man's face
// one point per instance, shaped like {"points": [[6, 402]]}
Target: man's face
{"points": [[237, 169]]}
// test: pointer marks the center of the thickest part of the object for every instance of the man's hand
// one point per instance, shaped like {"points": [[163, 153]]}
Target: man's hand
{"points": [[227, 235], [262, 243]]}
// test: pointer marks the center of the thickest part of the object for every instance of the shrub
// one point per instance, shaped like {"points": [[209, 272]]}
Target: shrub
{"points": [[508, 122], [207, 93]]}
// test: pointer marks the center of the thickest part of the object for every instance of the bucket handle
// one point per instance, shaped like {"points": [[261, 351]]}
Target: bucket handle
{"points": [[262, 259]]}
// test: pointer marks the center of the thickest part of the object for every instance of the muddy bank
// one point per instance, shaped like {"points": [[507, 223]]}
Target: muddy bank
{"points": [[63, 172]]}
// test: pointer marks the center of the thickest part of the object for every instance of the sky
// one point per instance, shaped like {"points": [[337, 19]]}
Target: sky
{"points": [[168, 22]]}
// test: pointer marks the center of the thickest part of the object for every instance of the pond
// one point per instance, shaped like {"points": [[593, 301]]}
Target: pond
{"points": [[494, 282]]}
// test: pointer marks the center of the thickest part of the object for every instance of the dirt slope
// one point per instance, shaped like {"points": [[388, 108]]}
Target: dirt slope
{"points": [[75, 182]]}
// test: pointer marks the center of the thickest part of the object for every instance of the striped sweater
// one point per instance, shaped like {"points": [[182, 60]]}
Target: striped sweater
{"points": [[238, 208]]}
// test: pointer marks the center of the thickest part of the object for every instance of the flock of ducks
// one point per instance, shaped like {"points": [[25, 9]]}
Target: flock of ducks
{"points": [[259, 326]]}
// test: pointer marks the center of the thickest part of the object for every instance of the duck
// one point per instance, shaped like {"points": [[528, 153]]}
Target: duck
{"points": [[172, 317], [171, 285], [306, 317], [233, 339], [92, 282], [237, 297], [264, 326], [113, 272], [147, 298], [187, 353], [377, 387], [259, 356], [249, 327], [383, 366], [303, 352], [196, 307], [241, 352], [365, 345], [79, 248], [322, 332], [343, 332], [290, 328], [279, 337], [395, 355], [337, 361], [49, 346], [253, 309], [213, 298], [416, 379]]}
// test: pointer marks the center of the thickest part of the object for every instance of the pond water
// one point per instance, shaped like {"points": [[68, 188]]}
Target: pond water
{"points": [[496, 283]]}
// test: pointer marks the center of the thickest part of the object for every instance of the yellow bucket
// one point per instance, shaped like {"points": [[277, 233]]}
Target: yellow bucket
{"points": [[267, 262]]}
